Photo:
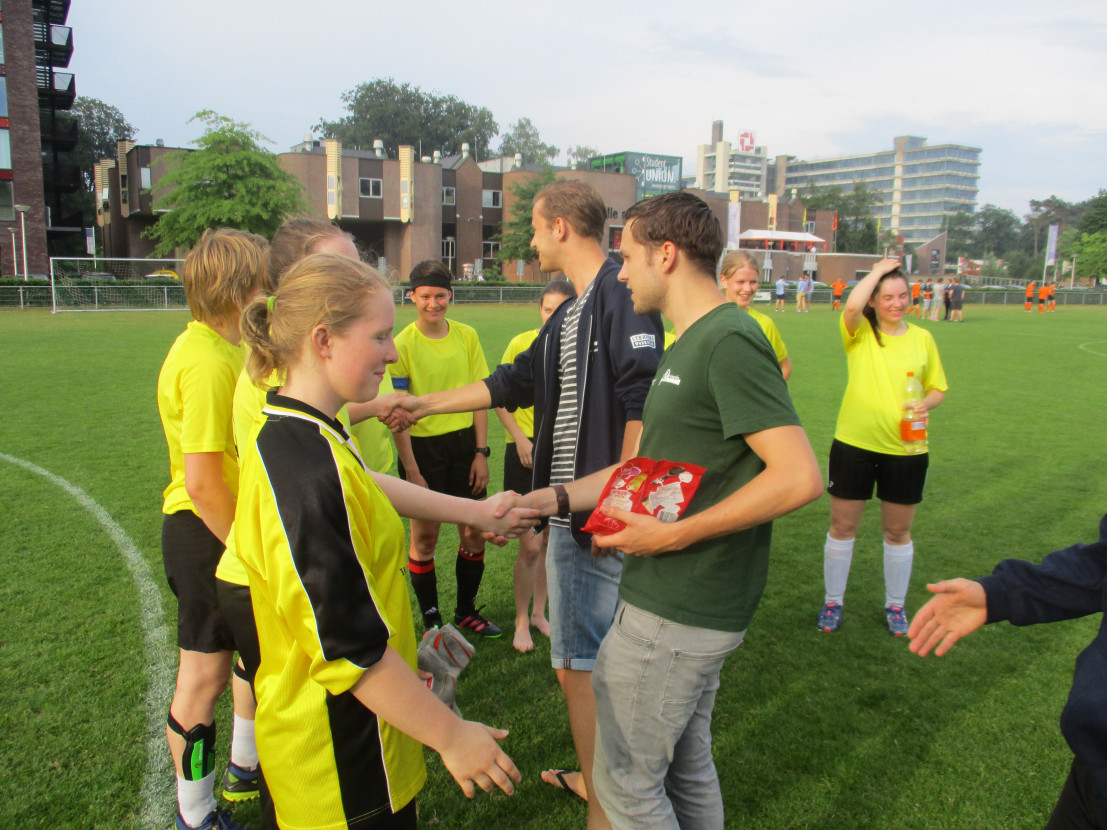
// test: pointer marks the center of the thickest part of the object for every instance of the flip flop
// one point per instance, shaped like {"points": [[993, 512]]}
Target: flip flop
{"points": [[562, 784]]}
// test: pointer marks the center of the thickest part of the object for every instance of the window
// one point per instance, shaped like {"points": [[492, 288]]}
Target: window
{"points": [[3, 97], [449, 196], [371, 188], [490, 249], [7, 202], [492, 199], [1, 44], [122, 181], [144, 177], [5, 149]]}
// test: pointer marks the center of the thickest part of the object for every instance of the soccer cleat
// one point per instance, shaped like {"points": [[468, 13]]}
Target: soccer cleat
{"points": [[216, 820], [897, 620], [240, 784], [830, 618], [477, 624]]}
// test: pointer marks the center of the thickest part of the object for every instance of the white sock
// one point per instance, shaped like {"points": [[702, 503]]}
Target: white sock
{"points": [[897, 572], [195, 799], [244, 751], [837, 556]]}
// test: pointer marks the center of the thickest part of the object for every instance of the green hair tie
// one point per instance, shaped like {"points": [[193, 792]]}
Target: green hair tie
{"points": [[270, 303]]}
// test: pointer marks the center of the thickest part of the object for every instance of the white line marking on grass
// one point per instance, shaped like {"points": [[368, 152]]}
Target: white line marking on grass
{"points": [[1087, 347], [157, 787]]}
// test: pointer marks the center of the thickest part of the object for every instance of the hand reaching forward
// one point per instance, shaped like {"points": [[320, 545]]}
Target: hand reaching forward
{"points": [[957, 609]]}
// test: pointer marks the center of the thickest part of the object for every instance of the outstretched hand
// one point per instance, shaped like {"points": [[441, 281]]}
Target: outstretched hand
{"points": [[502, 516], [958, 608], [394, 416], [474, 759]]}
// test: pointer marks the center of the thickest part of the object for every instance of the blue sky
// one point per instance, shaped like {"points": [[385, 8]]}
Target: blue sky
{"points": [[1022, 80]]}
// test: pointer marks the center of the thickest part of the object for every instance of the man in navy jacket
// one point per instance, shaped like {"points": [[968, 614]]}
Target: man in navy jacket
{"points": [[1068, 583], [587, 376]]}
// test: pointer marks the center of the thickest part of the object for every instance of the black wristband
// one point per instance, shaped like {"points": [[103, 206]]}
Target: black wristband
{"points": [[485, 451]]}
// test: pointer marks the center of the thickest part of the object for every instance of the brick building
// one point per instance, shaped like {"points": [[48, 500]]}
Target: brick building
{"points": [[401, 211], [35, 132]]}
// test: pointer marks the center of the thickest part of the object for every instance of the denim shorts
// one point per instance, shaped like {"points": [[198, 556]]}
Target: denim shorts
{"points": [[583, 594]]}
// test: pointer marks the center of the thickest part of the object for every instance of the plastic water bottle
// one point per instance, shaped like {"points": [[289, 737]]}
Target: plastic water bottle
{"points": [[911, 429]]}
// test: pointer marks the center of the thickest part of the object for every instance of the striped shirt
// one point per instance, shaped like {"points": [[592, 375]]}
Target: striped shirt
{"points": [[567, 422]]}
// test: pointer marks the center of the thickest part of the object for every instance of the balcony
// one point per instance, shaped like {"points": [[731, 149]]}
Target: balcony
{"points": [[65, 177], [58, 131], [56, 90], [53, 44], [51, 11]]}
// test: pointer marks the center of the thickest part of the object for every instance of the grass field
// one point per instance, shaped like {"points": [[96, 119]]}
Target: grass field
{"points": [[810, 730]]}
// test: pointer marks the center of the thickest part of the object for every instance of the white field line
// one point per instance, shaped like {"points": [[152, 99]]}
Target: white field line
{"points": [[1101, 343], [158, 784]]}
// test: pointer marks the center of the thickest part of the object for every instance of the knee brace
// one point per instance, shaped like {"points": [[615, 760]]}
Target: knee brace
{"points": [[198, 759]]}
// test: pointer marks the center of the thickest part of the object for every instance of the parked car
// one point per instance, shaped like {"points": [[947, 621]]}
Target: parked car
{"points": [[161, 274]]}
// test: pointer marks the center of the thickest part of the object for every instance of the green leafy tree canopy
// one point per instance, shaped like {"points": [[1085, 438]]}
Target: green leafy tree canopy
{"points": [[403, 114], [517, 232], [230, 181], [857, 231], [99, 127], [523, 138]]}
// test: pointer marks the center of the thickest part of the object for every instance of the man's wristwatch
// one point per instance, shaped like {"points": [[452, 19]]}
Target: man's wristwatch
{"points": [[562, 495], [485, 451]]}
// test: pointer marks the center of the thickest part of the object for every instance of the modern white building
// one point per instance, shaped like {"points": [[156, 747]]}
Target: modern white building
{"points": [[724, 166]]}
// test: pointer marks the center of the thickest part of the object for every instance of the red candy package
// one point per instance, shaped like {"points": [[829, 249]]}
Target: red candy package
{"points": [[653, 488]]}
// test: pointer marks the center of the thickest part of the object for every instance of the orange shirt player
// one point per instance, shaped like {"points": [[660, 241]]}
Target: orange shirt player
{"points": [[916, 302], [1051, 300], [838, 286], [1043, 292], [1029, 296]]}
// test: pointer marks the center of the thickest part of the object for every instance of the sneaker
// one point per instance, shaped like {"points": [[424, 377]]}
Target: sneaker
{"points": [[897, 620], [432, 618], [217, 820], [476, 623], [240, 784], [830, 618]]}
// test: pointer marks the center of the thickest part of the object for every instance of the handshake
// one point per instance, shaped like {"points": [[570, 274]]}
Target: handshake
{"points": [[397, 410]]}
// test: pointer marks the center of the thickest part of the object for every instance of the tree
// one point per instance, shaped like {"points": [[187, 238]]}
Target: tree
{"points": [[857, 231], [515, 237], [1091, 255], [997, 231], [99, 127], [523, 139], [399, 114], [577, 157], [231, 181], [1046, 212], [960, 234], [1094, 218]]}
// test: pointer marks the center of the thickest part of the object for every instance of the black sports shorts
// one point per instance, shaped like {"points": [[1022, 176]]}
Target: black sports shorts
{"points": [[445, 460], [853, 472], [191, 553]]}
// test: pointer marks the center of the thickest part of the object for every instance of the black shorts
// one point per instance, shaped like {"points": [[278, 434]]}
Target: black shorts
{"points": [[955, 305], [191, 553], [917, 300], [445, 461], [898, 478], [234, 602], [516, 476]]}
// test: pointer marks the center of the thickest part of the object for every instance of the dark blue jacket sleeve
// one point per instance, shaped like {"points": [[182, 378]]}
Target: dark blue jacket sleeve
{"points": [[635, 343], [511, 385], [1067, 584]]}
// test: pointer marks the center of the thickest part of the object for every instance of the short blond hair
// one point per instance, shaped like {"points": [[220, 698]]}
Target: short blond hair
{"points": [[293, 241], [323, 289], [221, 272], [575, 201]]}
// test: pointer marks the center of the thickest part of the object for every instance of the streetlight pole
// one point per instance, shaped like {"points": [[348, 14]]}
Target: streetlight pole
{"points": [[23, 230], [15, 255]]}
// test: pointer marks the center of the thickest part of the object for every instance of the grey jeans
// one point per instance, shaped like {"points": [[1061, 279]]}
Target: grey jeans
{"points": [[655, 683]]}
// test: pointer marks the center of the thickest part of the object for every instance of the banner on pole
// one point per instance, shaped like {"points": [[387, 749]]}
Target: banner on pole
{"points": [[733, 224], [1051, 246]]}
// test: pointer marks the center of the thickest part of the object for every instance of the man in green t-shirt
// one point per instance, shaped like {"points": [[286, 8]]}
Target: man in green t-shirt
{"points": [[689, 588]]}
